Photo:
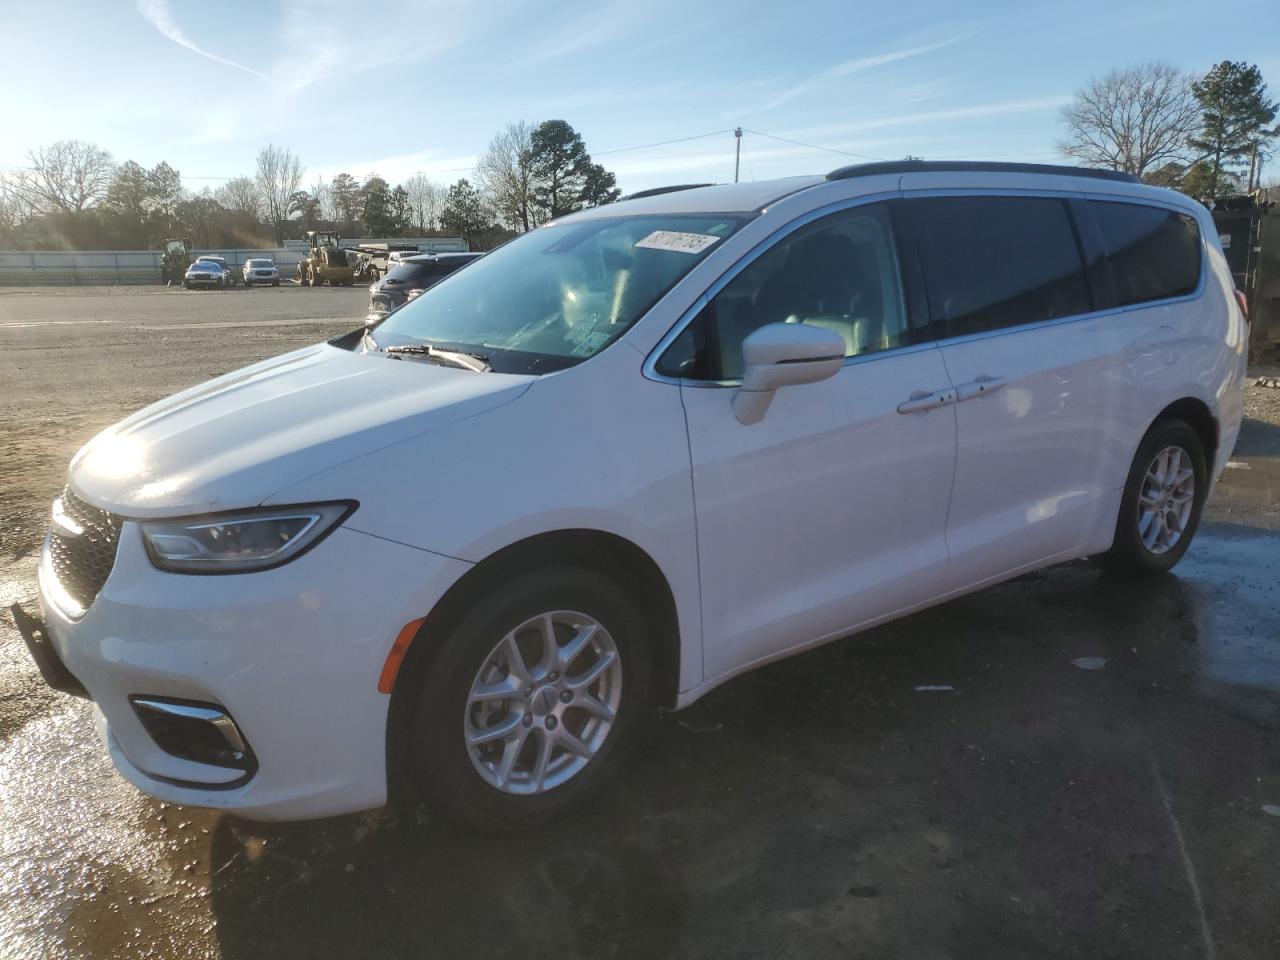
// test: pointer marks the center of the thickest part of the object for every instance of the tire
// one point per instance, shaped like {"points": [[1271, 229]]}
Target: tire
{"points": [[275, 283], [438, 761], [1145, 547], [187, 284]]}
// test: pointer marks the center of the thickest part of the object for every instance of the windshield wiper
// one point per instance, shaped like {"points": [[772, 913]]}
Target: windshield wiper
{"points": [[457, 358]]}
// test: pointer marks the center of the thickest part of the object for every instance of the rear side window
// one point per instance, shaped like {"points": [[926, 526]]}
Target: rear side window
{"points": [[995, 262], [1153, 253]]}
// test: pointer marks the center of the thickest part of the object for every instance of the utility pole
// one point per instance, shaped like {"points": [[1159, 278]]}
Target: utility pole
{"points": [[1253, 164], [737, 151]]}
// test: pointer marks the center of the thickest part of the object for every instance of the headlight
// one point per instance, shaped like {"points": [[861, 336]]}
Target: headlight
{"points": [[241, 541]]}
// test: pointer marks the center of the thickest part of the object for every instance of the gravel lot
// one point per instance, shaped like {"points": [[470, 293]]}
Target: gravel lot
{"points": [[825, 806]]}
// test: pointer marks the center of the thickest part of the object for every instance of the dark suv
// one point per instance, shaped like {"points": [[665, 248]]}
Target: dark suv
{"points": [[410, 277]]}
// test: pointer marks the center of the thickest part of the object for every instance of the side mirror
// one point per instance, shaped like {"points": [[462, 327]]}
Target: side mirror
{"points": [[781, 355]]}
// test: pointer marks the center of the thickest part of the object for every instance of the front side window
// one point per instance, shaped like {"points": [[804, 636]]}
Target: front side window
{"points": [[561, 293], [1153, 253], [996, 262], [840, 273]]}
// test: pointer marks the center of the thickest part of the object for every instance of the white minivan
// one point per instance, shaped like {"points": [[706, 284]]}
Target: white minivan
{"points": [[625, 457]]}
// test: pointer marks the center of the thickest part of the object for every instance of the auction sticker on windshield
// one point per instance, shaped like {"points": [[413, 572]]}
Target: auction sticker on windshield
{"points": [[675, 240]]}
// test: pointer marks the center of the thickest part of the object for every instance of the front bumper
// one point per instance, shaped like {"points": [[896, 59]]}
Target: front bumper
{"points": [[293, 654], [254, 279], [35, 635]]}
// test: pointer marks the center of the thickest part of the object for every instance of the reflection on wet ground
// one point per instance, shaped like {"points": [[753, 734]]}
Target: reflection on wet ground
{"points": [[822, 806]]}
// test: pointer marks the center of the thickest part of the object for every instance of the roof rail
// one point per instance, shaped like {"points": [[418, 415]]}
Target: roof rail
{"points": [[658, 191], [974, 166]]}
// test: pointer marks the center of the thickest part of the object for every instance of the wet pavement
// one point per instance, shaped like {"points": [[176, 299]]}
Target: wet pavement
{"points": [[822, 806], [1062, 766]]}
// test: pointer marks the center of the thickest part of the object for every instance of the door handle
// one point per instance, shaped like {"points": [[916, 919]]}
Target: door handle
{"points": [[979, 388], [921, 402]]}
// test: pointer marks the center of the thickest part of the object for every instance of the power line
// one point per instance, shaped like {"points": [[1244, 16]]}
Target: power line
{"points": [[662, 143], [813, 146]]}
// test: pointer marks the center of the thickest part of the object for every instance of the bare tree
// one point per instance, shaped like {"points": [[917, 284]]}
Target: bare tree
{"points": [[323, 198], [426, 200], [241, 195], [68, 177], [14, 208], [279, 176], [1134, 120], [505, 175]]}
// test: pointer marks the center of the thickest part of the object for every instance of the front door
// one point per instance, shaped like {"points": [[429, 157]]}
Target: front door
{"points": [[831, 511]]}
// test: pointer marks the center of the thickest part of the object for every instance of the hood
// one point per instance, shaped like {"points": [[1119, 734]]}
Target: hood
{"points": [[234, 441]]}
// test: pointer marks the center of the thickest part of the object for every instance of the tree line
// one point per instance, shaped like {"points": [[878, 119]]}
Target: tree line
{"points": [[1207, 136], [74, 195]]}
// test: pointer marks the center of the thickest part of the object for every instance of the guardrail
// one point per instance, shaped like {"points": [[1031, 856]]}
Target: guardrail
{"points": [[70, 267]]}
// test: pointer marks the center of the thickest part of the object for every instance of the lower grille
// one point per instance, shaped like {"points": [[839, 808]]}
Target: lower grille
{"points": [[82, 546]]}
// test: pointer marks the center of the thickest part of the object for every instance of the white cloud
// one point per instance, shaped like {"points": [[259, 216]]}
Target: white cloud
{"points": [[849, 68], [158, 14], [929, 116], [578, 34]]}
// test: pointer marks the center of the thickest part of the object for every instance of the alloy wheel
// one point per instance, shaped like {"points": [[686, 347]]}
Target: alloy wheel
{"points": [[543, 702], [1165, 500]]}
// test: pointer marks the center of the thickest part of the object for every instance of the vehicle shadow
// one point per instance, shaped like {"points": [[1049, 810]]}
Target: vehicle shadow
{"points": [[1258, 438], [885, 794]]}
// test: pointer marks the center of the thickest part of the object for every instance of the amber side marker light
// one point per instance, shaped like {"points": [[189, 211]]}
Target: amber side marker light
{"points": [[387, 679]]}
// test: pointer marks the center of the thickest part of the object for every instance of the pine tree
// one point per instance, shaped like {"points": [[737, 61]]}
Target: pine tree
{"points": [[1233, 98]]}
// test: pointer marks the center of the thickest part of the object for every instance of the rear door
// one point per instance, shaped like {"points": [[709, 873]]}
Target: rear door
{"points": [[1038, 378]]}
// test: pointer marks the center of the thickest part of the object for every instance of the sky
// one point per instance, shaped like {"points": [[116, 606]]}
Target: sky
{"points": [[401, 87]]}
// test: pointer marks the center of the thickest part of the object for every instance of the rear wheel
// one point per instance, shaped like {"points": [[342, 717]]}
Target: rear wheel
{"points": [[531, 702], [1162, 501]]}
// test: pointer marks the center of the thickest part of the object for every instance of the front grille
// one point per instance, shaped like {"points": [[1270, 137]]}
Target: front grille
{"points": [[82, 561]]}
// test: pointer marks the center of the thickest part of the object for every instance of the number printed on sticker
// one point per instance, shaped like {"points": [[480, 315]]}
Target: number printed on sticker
{"points": [[675, 240]]}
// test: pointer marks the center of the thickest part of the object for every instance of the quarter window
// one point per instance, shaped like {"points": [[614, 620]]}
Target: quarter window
{"points": [[840, 273], [1153, 253], [995, 262]]}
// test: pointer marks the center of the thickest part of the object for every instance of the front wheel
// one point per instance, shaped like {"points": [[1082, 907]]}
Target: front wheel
{"points": [[532, 700], [1162, 501]]}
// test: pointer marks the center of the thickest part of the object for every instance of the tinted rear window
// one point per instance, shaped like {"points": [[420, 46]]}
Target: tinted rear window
{"points": [[417, 272], [993, 262], [1153, 253]]}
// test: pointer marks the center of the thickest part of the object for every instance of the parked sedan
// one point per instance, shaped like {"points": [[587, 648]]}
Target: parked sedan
{"points": [[260, 271], [409, 277], [205, 273], [222, 262]]}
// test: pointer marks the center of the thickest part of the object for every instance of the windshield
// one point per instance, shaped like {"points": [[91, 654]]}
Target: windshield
{"points": [[559, 294], [258, 263]]}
